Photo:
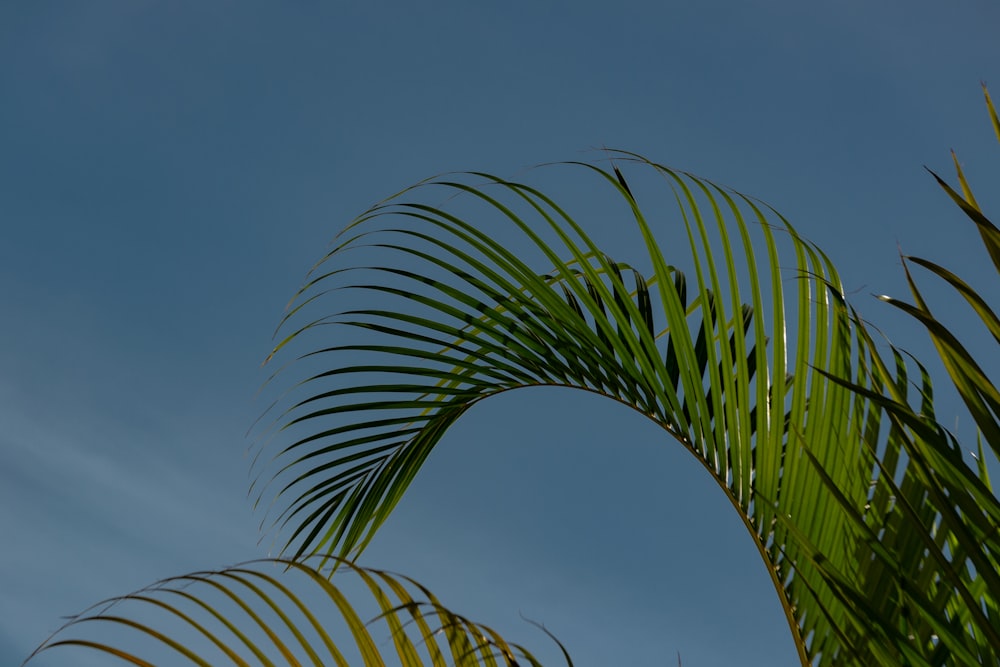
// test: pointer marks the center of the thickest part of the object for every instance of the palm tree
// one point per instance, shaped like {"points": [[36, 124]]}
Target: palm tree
{"points": [[880, 538]]}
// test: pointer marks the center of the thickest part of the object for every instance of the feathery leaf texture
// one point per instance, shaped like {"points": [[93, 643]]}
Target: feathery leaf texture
{"points": [[287, 612], [759, 368], [730, 331]]}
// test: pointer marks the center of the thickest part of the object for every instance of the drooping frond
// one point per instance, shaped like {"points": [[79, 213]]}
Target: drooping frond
{"points": [[749, 361], [280, 612]]}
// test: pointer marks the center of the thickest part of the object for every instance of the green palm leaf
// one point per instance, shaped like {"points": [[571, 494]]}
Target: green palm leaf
{"points": [[881, 540], [943, 543], [280, 612], [756, 385]]}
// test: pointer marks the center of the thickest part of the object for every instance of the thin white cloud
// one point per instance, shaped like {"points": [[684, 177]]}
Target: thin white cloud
{"points": [[88, 518]]}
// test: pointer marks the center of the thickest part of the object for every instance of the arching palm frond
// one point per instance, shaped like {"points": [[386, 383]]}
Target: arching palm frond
{"points": [[280, 612], [758, 384], [726, 329]]}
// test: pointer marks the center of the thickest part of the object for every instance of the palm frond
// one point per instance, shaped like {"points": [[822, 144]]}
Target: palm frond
{"points": [[940, 540], [757, 385], [272, 612]]}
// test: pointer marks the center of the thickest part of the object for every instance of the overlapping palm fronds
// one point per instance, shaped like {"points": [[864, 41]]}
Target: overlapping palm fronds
{"points": [[937, 539], [923, 586], [728, 330]]}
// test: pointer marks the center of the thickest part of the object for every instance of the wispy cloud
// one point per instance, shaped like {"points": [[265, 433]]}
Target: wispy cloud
{"points": [[90, 514]]}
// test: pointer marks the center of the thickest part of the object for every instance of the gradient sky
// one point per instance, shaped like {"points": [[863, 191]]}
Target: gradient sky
{"points": [[170, 170]]}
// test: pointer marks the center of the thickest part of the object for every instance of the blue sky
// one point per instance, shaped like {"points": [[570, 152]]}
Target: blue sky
{"points": [[170, 170]]}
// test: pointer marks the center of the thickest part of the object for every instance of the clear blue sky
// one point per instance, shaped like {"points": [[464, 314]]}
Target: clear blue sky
{"points": [[170, 170]]}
